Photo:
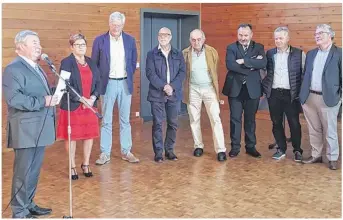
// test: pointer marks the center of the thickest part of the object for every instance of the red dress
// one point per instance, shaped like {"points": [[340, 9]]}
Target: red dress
{"points": [[84, 123]]}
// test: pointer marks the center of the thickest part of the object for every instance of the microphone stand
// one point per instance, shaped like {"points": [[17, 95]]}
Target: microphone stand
{"points": [[67, 90]]}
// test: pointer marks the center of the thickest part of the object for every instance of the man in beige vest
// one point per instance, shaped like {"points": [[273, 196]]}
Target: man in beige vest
{"points": [[201, 85]]}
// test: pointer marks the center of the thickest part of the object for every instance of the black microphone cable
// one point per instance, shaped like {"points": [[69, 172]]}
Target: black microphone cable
{"points": [[34, 156]]}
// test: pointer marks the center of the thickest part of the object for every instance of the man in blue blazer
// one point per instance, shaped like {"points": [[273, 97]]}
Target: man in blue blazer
{"points": [[320, 95], [165, 69], [115, 54]]}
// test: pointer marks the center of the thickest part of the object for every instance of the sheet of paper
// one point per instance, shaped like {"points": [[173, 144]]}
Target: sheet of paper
{"points": [[61, 84]]}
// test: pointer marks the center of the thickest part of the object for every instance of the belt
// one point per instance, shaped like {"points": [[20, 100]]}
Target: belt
{"points": [[282, 90], [118, 78], [315, 92]]}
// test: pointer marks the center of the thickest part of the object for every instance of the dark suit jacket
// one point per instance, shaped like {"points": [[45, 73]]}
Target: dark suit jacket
{"points": [[101, 56], [156, 72], [69, 64], [331, 79], [24, 92], [249, 71]]}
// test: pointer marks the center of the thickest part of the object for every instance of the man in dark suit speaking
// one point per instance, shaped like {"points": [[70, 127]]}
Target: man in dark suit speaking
{"points": [[244, 59], [30, 121]]}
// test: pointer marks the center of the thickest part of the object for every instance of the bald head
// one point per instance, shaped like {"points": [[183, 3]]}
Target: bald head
{"points": [[197, 39], [164, 36]]}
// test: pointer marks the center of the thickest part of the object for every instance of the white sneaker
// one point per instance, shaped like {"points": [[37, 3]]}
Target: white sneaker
{"points": [[130, 158], [103, 159]]}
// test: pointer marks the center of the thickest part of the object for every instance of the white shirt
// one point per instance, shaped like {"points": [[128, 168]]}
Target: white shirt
{"points": [[166, 53], [281, 73], [117, 58], [31, 62]]}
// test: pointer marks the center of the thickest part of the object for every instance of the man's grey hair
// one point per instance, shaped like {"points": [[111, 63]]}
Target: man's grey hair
{"points": [[283, 28], [327, 28], [117, 16], [22, 35], [203, 34]]}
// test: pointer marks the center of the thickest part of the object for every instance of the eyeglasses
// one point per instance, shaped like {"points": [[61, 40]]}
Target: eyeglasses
{"points": [[320, 33], [164, 35], [79, 45]]}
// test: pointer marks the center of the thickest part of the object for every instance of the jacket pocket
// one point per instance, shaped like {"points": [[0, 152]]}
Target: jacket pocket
{"points": [[30, 120]]}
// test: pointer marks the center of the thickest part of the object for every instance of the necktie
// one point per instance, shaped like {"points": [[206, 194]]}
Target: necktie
{"points": [[245, 48], [41, 76]]}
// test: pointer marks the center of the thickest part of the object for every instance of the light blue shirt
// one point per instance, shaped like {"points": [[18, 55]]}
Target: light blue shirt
{"points": [[318, 67], [199, 72]]}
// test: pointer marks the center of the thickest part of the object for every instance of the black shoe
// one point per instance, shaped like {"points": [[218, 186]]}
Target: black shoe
{"points": [[198, 152], [233, 153], [170, 155], [254, 153], [221, 156], [74, 175], [333, 165], [158, 159], [40, 211], [29, 216], [297, 156], [86, 168]]}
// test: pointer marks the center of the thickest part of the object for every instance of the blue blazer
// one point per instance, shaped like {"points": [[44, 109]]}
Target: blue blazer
{"points": [[69, 64], [101, 56], [331, 78], [156, 72]]}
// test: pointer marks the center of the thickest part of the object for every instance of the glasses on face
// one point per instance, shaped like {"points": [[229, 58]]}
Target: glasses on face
{"points": [[79, 45], [164, 35], [321, 33]]}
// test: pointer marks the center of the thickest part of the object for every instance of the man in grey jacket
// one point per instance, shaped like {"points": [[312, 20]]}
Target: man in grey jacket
{"points": [[320, 95], [30, 122]]}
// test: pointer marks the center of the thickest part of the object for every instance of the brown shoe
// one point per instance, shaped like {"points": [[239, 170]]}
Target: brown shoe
{"points": [[313, 160], [333, 165], [130, 158]]}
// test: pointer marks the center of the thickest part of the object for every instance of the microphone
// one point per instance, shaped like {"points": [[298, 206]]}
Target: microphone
{"points": [[45, 57]]}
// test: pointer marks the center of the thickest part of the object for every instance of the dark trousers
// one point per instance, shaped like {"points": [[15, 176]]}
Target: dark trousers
{"points": [[237, 105], [26, 170], [158, 111], [279, 104]]}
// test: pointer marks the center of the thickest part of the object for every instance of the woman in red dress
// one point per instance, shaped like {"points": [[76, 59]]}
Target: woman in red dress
{"points": [[85, 80]]}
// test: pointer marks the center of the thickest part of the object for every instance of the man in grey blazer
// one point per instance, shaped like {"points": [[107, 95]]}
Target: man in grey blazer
{"points": [[320, 95], [30, 122]]}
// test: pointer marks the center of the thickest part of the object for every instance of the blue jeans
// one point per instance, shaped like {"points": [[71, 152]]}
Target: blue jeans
{"points": [[117, 90]]}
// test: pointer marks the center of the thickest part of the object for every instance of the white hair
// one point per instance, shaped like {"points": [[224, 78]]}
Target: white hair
{"points": [[203, 34], [283, 28], [117, 16], [328, 28], [22, 35]]}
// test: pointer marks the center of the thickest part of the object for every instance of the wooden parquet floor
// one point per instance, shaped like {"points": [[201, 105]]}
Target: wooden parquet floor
{"points": [[243, 187]]}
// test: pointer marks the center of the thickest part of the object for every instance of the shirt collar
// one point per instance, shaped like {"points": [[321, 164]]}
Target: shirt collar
{"points": [[31, 62], [160, 48], [202, 49], [247, 45], [287, 51], [327, 49], [119, 38]]}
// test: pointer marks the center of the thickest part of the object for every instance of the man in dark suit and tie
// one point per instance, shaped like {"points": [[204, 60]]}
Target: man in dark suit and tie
{"points": [[30, 122], [244, 59], [320, 95], [166, 70]]}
